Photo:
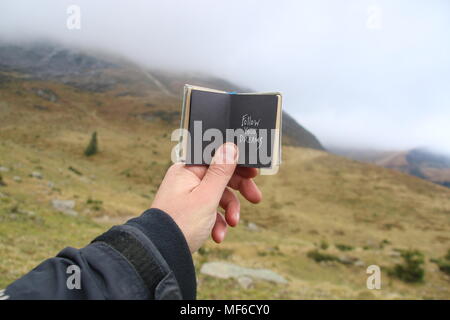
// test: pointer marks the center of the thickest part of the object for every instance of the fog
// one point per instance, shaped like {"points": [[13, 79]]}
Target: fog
{"points": [[357, 73]]}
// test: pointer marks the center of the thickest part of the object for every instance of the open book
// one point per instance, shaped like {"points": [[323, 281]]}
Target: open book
{"points": [[251, 120]]}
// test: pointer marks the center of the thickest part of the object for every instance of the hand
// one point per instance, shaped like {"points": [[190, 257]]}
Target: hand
{"points": [[192, 194]]}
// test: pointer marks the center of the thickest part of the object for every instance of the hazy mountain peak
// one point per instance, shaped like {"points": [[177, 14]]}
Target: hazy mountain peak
{"points": [[100, 72]]}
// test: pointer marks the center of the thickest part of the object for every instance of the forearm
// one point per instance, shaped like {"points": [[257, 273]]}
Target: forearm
{"points": [[146, 258]]}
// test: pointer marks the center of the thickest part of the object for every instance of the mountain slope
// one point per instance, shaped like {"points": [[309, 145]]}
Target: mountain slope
{"points": [[99, 73], [419, 162], [318, 201]]}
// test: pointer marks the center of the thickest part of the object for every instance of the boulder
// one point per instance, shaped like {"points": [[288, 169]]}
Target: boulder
{"points": [[245, 282], [252, 226], [226, 270], [36, 174], [65, 206]]}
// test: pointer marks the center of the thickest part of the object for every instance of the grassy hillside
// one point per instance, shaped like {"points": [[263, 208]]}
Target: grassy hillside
{"points": [[346, 209], [419, 162]]}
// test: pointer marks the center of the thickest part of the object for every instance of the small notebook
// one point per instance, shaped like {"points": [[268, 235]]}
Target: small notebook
{"points": [[251, 120]]}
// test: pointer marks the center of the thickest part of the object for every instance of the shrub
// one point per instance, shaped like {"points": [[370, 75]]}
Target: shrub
{"points": [[276, 205], [444, 266], [2, 183], [274, 251], [318, 256], [444, 263], [222, 254], [203, 251], [92, 147], [344, 247], [75, 170], [95, 204], [412, 268], [324, 245], [384, 242]]}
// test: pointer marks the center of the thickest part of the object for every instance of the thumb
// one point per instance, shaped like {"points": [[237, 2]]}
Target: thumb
{"points": [[220, 171]]}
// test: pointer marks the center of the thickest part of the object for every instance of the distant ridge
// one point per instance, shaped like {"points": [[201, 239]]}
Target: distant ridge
{"points": [[419, 162]]}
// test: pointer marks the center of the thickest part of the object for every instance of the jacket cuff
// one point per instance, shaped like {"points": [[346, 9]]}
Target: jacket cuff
{"points": [[165, 234]]}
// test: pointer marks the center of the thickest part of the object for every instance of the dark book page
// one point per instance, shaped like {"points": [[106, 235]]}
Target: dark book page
{"points": [[253, 116], [212, 109]]}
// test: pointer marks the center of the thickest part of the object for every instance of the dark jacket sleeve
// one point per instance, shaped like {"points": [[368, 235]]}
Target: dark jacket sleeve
{"points": [[146, 258]]}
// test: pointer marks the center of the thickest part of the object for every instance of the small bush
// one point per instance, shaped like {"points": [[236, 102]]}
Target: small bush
{"points": [[444, 266], [203, 251], [318, 256], [222, 254], [126, 173], [344, 247], [324, 245], [2, 183], [412, 268], [447, 257], [444, 263], [92, 147], [95, 204], [276, 205], [384, 242], [274, 251], [75, 170]]}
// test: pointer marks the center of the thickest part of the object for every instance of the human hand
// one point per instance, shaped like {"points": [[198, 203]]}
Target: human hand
{"points": [[192, 194]]}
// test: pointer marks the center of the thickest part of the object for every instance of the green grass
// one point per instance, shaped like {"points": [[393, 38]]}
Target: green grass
{"points": [[28, 239], [318, 256]]}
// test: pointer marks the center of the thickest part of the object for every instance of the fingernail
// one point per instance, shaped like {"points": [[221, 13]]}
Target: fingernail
{"points": [[227, 154]]}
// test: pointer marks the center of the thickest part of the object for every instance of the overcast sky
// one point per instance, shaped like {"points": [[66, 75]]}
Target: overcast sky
{"points": [[357, 73]]}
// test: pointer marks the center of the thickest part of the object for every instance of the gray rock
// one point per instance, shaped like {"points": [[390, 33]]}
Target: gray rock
{"points": [[226, 270], [372, 244], [348, 260], [252, 226], [4, 169], [30, 213], [359, 263], [395, 254], [85, 179], [2, 195], [65, 206], [46, 94], [17, 179], [36, 174], [245, 282]]}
